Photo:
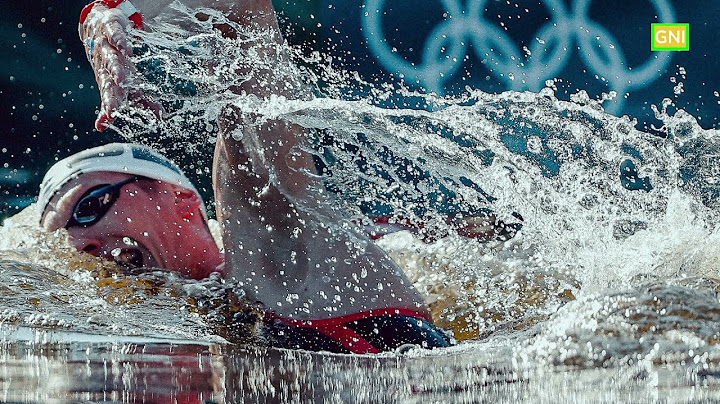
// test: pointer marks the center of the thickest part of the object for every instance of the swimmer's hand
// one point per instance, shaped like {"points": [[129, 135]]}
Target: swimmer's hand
{"points": [[104, 34]]}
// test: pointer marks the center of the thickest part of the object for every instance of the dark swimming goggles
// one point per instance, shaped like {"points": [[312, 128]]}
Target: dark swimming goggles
{"points": [[95, 203], [368, 332]]}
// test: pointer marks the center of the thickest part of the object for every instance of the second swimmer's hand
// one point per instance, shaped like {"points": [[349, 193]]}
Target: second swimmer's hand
{"points": [[104, 34]]}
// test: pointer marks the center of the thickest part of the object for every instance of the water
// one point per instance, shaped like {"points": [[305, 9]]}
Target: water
{"points": [[609, 292], [88, 370]]}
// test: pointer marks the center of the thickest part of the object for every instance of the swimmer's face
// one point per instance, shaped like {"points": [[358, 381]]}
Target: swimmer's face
{"points": [[151, 224]]}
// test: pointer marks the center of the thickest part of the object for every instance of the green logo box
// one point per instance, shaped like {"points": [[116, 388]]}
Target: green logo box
{"points": [[670, 37]]}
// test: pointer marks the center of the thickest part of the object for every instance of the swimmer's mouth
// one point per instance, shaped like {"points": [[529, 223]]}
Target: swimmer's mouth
{"points": [[128, 257], [131, 254]]}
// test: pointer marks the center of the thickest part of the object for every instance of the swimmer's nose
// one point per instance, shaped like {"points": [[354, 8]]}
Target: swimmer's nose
{"points": [[91, 247]]}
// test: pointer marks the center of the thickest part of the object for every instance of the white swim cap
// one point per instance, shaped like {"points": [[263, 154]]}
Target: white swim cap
{"points": [[132, 159]]}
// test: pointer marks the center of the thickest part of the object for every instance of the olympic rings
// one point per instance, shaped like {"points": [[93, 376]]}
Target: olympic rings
{"points": [[447, 45]]}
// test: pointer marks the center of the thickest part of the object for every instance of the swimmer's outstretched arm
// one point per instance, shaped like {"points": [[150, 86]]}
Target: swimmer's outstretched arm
{"points": [[282, 237]]}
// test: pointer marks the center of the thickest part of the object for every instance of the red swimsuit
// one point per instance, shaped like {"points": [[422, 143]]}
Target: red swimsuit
{"points": [[372, 331]]}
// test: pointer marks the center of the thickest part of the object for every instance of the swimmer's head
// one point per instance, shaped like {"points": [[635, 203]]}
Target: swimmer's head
{"points": [[130, 204]]}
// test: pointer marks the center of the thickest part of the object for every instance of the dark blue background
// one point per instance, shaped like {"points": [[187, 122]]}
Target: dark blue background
{"points": [[407, 24]]}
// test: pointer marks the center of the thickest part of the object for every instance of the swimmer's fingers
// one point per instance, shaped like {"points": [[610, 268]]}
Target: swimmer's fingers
{"points": [[111, 96], [117, 35], [113, 73], [114, 95], [122, 81], [109, 50], [117, 80]]}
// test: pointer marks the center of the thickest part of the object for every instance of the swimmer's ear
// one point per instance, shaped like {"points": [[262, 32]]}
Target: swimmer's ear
{"points": [[187, 202]]}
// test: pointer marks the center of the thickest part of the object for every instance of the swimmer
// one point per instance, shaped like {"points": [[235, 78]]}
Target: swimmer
{"points": [[129, 204], [325, 285]]}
